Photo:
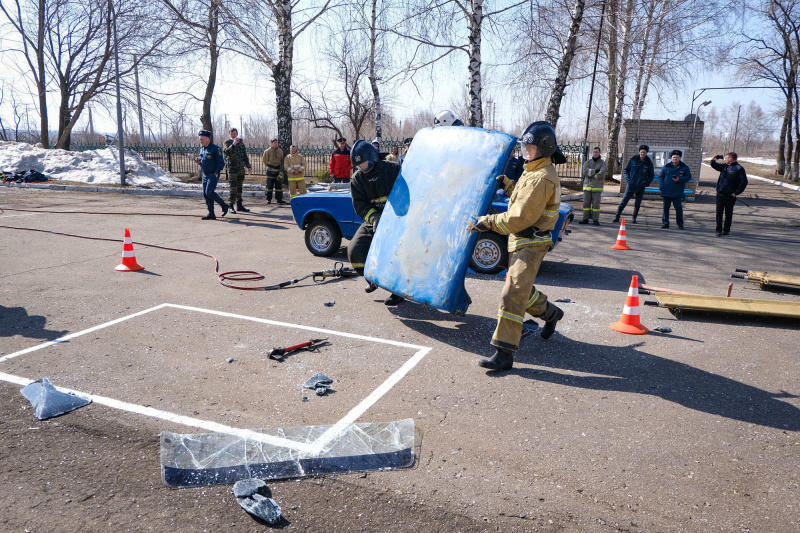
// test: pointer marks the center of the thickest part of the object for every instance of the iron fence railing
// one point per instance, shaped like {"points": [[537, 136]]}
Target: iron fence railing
{"points": [[180, 159]]}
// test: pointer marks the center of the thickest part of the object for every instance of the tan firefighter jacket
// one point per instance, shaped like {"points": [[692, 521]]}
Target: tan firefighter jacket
{"points": [[593, 174], [532, 208], [295, 165]]}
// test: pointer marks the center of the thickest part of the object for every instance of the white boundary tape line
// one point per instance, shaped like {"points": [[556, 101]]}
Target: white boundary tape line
{"points": [[312, 449]]}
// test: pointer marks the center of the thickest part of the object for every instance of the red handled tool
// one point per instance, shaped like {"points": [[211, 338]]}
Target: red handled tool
{"points": [[279, 353]]}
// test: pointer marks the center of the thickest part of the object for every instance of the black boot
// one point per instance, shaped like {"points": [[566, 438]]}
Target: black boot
{"points": [[279, 197], [501, 360], [619, 213], [393, 300], [233, 210], [241, 207], [209, 216], [551, 315], [635, 214], [371, 287], [225, 208]]}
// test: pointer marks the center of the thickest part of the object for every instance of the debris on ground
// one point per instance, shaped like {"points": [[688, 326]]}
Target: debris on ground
{"points": [[563, 301], [258, 505], [663, 329], [47, 401], [330, 304], [528, 327], [230, 360], [319, 383], [312, 345]]}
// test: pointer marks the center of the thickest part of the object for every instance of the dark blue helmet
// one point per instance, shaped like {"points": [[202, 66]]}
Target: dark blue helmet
{"points": [[364, 151], [542, 135]]}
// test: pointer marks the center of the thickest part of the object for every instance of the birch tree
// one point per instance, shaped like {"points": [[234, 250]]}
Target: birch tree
{"points": [[30, 18], [564, 66], [269, 33], [431, 26]]}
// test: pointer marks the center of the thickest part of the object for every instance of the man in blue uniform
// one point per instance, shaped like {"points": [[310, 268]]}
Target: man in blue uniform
{"points": [[674, 175], [638, 174], [211, 164]]}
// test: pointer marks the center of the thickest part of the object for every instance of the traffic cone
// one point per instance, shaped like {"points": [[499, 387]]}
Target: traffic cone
{"points": [[129, 263], [622, 240], [629, 323]]}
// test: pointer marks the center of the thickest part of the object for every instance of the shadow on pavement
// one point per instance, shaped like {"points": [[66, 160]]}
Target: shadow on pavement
{"points": [[624, 369], [16, 321]]}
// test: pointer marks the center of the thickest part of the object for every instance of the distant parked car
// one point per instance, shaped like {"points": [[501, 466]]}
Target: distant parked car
{"points": [[328, 216]]}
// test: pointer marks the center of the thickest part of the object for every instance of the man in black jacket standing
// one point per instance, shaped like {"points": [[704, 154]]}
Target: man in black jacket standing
{"points": [[730, 184], [638, 174]]}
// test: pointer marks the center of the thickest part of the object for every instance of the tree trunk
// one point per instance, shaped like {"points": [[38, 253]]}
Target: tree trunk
{"points": [[213, 55], [373, 80], [475, 19], [560, 83], [282, 73], [616, 122], [795, 170], [41, 85], [787, 123], [638, 94], [612, 67]]}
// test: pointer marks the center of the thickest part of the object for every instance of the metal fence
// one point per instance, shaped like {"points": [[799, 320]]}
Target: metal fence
{"points": [[180, 159]]}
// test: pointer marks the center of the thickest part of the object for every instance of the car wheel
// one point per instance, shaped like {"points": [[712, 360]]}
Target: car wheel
{"points": [[323, 237], [490, 254]]}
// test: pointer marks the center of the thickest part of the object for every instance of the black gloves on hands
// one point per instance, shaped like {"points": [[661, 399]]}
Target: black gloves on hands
{"points": [[374, 218]]}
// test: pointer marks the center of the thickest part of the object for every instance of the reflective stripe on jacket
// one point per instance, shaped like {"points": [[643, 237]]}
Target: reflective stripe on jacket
{"points": [[295, 165]]}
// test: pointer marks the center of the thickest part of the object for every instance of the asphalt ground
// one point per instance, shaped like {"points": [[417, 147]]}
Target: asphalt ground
{"points": [[592, 430]]}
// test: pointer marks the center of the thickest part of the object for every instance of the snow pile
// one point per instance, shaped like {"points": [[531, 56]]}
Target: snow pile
{"points": [[93, 166], [758, 160]]}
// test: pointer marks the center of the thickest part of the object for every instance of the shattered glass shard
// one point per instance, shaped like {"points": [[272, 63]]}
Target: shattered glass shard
{"points": [[47, 401], [317, 380], [192, 460]]}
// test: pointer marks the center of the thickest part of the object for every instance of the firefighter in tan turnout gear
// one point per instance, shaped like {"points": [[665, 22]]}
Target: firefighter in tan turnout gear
{"points": [[593, 173], [532, 213], [295, 165]]}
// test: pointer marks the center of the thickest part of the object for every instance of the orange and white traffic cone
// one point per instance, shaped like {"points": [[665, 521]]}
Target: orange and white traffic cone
{"points": [[629, 323], [129, 263], [622, 238]]}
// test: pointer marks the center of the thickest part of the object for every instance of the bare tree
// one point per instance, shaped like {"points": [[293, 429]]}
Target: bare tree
{"points": [[564, 66], [261, 23], [200, 21], [30, 19], [430, 25], [775, 57]]}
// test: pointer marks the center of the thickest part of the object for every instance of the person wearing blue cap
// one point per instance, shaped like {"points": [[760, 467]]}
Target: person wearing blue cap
{"points": [[211, 164], [674, 175]]}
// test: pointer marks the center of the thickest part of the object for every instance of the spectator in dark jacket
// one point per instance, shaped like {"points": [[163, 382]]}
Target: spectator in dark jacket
{"points": [[730, 184], [340, 166], [638, 174], [674, 175]]}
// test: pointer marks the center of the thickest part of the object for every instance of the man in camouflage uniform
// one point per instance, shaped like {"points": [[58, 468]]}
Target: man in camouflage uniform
{"points": [[238, 163], [593, 173], [295, 165], [273, 160], [532, 213]]}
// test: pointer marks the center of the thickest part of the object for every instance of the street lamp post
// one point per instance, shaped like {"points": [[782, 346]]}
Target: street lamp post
{"points": [[695, 120]]}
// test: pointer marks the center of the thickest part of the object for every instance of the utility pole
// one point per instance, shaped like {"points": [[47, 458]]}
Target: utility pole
{"points": [[138, 101], [119, 100], [736, 129], [594, 75]]}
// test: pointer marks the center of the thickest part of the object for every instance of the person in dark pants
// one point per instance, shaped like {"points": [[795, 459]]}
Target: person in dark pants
{"points": [[273, 161], [211, 164], [370, 188], [671, 181], [731, 183], [638, 174]]}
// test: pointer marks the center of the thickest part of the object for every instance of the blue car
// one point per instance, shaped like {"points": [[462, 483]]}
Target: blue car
{"points": [[327, 216]]}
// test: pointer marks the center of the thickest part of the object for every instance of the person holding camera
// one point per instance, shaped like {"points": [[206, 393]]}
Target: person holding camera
{"points": [[731, 183], [593, 173], [238, 163], [674, 175], [211, 164]]}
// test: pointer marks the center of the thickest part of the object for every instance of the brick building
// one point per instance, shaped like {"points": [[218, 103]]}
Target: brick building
{"points": [[663, 136]]}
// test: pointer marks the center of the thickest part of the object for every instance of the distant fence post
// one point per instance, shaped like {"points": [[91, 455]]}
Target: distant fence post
{"points": [[169, 160]]}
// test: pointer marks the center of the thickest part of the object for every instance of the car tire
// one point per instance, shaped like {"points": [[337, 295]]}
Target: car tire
{"points": [[490, 254], [323, 237]]}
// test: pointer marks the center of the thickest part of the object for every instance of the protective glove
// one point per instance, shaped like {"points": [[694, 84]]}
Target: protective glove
{"points": [[374, 218], [482, 224], [501, 179]]}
